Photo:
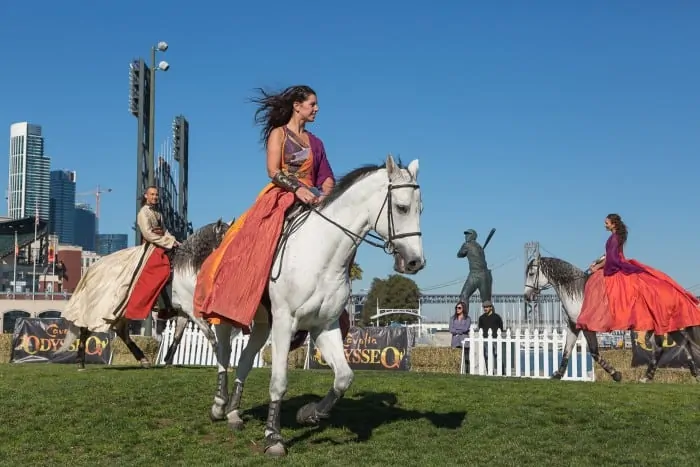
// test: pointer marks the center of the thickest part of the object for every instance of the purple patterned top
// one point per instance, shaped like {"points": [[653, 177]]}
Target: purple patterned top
{"points": [[615, 261], [321, 167]]}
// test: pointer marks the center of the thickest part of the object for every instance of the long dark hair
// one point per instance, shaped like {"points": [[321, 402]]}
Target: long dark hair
{"points": [[465, 310], [620, 228], [276, 109]]}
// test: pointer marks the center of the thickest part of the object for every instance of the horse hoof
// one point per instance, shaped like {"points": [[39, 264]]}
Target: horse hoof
{"points": [[235, 422], [276, 449], [145, 363], [307, 414], [556, 376], [216, 414], [617, 376], [644, 379]]}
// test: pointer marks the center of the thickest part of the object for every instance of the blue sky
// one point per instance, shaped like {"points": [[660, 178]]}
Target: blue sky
{"points": [[536, 118]]}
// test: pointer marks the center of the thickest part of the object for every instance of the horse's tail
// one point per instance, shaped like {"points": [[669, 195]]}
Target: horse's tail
{"points": [[72, 334]]}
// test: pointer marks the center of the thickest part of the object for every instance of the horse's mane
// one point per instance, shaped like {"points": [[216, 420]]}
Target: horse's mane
{"points": [[352, 177], [197, 247], [567, 277]]}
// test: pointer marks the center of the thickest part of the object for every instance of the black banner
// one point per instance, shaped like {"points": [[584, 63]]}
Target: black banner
{"points": [[672, 356], [36, 340], [373, 348]]}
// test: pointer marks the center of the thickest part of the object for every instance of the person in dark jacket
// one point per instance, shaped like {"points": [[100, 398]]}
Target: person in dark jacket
{"points": [[490, 320]]}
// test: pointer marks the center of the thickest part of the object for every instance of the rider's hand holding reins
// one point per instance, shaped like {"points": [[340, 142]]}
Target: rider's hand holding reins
{"points": [[305, 196]]}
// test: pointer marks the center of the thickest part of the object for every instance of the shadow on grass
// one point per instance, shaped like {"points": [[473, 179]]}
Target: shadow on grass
{"points": [[137, 367], [361, 415]]}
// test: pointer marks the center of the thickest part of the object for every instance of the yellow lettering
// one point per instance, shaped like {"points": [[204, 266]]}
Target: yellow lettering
{"points": [[395, 361]]}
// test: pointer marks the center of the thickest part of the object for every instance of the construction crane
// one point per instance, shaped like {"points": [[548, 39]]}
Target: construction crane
{"points": [[96, 193]]}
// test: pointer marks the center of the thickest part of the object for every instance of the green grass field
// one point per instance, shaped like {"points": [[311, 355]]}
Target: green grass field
{"points": [[54, 415]]}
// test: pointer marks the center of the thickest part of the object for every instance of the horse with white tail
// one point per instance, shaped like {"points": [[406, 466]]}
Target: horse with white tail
{"points": [[101, 292], [309, 285], [569, 282]]}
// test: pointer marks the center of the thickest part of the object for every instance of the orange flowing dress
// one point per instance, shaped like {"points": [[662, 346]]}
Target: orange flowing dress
{"points": [[232, 280], [628, 295]]}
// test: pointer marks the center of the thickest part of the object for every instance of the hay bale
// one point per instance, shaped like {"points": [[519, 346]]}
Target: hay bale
{"points": [[621, 359], [296, 358], [122, 356], [436, 359], [5, 347]]}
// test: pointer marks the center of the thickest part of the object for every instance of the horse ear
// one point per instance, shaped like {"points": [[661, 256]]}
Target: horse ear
{"points": [[390, 166], [413, 169], [219, 221]]}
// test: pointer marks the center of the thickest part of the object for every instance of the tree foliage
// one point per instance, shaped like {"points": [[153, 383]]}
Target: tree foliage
{"points": [[397, 292], [355, 272]]}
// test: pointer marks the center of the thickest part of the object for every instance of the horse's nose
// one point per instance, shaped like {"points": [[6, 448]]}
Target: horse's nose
{"points": [[416, 265]]}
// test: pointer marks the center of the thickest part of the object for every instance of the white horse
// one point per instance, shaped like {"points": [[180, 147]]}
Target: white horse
{"points": [[186, 262], [569, 283], [310, 285]]}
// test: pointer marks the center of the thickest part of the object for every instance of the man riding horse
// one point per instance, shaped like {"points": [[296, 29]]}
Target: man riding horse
{"points": [[150, 281]]}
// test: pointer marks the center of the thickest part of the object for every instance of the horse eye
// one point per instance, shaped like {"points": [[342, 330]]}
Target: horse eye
{"points": [[402, 209]]}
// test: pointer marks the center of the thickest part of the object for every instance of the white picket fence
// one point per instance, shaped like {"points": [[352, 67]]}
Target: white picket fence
{"points": [[195, 350], [526, 354], [523, 353]]}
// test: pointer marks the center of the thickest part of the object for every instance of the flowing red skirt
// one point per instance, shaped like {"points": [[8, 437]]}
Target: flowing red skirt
{"points": [[153, 278], [233, 278], [645, 301]]}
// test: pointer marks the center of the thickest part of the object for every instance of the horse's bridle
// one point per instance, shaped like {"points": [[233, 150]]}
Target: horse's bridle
{"points": [[536, 287], [536, 264], [387, 246]]}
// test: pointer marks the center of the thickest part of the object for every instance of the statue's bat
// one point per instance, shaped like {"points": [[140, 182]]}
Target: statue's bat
{"points": [[488, 239]]}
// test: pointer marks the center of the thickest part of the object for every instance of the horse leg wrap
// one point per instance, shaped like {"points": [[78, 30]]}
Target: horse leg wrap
{"points": [[609, 369], [325, 405], [234, 402], [693, 369], [313, 413], [561, 371], [651, 369], [273, 424], [80, 357], [135, 351], [222, 387], [171, 352]]}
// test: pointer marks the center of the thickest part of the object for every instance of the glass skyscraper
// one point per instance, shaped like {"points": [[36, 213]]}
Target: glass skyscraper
{"points": [[62, 206], [109, 243], [28, 184], [85, 227]]}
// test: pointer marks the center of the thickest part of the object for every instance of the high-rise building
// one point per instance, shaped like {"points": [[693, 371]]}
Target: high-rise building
{"points": [[62, 206], [28, 185], [85, 227], [109, 243]]}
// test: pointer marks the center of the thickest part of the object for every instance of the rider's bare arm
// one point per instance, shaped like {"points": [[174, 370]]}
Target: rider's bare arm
{"points": [[151, 235], [327, 186], [274, 162]]}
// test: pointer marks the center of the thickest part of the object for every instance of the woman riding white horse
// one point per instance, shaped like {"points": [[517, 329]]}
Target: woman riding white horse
{"points": [[299, 279]]}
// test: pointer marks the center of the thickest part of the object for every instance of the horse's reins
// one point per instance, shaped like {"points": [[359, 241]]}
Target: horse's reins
{"points": [[388, 246]]}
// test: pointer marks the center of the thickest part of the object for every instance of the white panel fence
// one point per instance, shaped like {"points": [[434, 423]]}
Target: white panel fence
{"points": [[195, 350], [523, 353], [526, 354]]}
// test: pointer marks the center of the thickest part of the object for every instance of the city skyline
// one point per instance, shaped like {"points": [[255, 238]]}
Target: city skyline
{"points": [[33, 183]]}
